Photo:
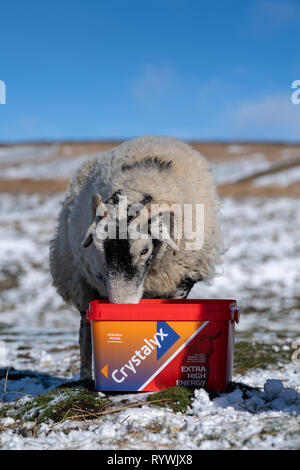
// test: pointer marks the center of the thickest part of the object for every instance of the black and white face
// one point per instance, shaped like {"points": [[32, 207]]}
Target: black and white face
{"points": [[127, 264], [125, 255]]}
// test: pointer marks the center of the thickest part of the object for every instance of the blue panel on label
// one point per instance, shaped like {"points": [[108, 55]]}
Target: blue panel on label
{"points": [[166, 337]]}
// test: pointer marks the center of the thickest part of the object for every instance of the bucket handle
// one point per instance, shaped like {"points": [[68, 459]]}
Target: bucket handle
{"points": [[235, 312]]}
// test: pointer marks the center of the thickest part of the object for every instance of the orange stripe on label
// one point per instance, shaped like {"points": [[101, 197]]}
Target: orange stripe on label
{"points": [[105, 370]]}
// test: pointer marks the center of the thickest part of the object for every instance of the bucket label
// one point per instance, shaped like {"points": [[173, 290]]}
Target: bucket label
{"points": [[132, 355], [170, 335]]}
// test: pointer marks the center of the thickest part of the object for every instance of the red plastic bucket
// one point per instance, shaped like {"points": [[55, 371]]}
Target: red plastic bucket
{"points": [[162, 343]]}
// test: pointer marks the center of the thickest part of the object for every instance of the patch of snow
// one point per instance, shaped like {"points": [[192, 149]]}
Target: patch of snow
{"points": [[18, 153], [273, 398], [261, 269], [245, 420], [234, 170], [281, 178], [46, 170]]}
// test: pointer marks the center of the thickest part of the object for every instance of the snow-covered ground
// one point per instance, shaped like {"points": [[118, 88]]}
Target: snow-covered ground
{"points": [[261, 267], [283, 178], [230, 171], [38, 332], [20, 153], [257, 419], [45, 170]]}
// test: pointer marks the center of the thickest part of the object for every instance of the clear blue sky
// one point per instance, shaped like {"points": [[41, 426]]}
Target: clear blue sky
{"points": [[121, 68]]}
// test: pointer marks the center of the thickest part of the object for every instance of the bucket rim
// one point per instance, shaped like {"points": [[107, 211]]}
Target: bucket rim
{"points": [[165, 310]]}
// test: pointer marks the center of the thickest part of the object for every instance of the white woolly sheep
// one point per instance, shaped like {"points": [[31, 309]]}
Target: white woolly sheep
{"points": [[85, 265]]}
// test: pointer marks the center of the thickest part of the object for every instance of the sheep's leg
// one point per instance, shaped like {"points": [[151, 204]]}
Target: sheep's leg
{"points": [[85, 343]]}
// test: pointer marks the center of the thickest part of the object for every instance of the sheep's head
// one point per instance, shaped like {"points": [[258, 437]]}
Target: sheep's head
{"points": [[129, 240]]}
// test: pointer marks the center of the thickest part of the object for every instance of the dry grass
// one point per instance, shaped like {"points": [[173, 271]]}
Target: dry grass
{"points": [[245, 189], [29, 186], [216, 151], [237, 190]]}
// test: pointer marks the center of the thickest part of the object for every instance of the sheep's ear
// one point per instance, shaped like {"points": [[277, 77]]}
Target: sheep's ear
{"points": [[88, 236], [98, 206], [96, 201]]}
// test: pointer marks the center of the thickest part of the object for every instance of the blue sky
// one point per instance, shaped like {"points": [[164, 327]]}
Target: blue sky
{"points": [[117, 69]]}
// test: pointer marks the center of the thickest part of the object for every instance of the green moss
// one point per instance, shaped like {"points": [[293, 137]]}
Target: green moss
{"points": [[4, 410], [249, 355], [58, 404], [177, 398]]}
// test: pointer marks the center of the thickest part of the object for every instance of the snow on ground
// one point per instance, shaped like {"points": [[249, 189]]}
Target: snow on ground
{"points": [[230, 171], [46, 170], [261, 267], [19, 153], [266, 418], [38, 333], [282, 178]]}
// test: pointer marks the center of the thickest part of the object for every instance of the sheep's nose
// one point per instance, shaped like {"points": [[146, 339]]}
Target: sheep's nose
{"points": [[116, 296]]}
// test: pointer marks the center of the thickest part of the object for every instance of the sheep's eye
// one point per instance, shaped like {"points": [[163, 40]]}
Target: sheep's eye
{"points": [[144, 251]]}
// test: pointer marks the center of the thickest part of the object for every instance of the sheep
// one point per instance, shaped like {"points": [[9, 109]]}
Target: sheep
{"points": [[85, 265]]}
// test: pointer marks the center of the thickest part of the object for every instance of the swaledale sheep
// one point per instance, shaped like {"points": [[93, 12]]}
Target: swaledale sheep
{"points": [[86, 266]]}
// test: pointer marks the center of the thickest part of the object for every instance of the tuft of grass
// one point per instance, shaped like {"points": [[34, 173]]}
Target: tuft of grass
{"points": [[58, 404], [177, 398], [4, 410], [249, 355]]}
